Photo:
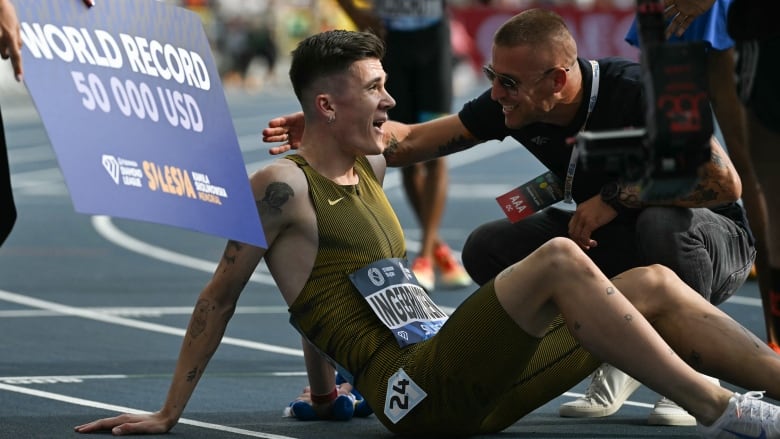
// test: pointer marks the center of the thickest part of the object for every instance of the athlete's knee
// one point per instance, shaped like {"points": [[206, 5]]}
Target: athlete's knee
{"points": [[562, 255], [653, 289]]}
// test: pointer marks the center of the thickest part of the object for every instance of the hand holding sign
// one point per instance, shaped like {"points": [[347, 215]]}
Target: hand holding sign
{"points": [[10, 38]]}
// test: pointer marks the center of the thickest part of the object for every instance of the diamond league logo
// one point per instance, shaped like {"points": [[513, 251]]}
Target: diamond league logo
{"points": [[111, 165]]}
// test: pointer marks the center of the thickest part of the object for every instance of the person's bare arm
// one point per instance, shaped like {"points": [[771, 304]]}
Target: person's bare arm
{"points": [[407, 144], [287, 130], [213, 310], [719, 183]]}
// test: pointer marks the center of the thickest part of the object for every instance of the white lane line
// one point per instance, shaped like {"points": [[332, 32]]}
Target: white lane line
{"points": [[739, 300], [137, 324], [141, 311], [121, 409], [76, 379], [107, 230], [56, 379]]}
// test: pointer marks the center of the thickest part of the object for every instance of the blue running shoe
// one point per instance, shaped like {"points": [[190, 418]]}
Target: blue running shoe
{"points": [[343, 410], [362, 409], [301, 410]]}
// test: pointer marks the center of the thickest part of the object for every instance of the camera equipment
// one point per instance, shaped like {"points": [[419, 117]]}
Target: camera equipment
{"points": [[664, 157]]}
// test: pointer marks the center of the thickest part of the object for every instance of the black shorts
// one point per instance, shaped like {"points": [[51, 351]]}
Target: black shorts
{"points": [[419, 65]]}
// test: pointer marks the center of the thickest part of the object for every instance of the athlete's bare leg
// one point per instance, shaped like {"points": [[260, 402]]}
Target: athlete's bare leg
{"points": [[426, 188], [560, 278]]}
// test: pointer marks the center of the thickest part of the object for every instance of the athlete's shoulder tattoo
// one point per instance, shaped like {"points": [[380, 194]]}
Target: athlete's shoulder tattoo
{"points": [[276, 195]]}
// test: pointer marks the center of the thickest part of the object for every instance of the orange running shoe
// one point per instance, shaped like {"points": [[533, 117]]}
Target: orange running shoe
{"points": [[423, 271], [453, 275]]}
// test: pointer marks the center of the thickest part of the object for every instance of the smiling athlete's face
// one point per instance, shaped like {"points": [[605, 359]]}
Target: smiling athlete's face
{"points": [[362, 106]]}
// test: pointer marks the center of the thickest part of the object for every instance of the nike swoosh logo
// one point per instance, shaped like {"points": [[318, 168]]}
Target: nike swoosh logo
{"points": [[762, 435], [333, 202]]}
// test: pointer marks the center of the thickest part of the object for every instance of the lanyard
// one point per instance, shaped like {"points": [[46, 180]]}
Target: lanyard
{"points": [[575, 153]]}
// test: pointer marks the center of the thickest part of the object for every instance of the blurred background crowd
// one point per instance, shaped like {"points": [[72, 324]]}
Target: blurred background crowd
{"points": [[251, 40]]}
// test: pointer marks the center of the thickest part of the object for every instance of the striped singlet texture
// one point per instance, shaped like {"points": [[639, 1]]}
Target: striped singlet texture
{"points": [[481, 372]]}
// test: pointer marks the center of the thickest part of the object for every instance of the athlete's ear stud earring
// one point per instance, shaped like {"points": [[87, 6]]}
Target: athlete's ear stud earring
{"points": [[331, 118]]}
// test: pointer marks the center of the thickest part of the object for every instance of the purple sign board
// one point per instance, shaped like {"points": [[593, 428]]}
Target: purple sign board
{"points": [[134, 108]]}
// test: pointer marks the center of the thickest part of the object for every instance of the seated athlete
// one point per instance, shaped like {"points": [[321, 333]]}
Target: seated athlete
{"points": [[533, 332]]}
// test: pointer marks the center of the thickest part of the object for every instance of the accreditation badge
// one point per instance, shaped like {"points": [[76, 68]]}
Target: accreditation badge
{"points": [[531, 197], [399, 302]]}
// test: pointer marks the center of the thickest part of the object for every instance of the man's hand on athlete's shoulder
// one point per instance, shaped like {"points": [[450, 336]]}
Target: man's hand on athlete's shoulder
{"points": [[287, 129]]}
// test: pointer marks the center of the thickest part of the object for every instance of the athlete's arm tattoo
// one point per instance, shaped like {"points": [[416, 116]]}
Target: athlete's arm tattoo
{"points": [[611, 291], [232, 248], [199, 318], [192, 374], [276, 195]]}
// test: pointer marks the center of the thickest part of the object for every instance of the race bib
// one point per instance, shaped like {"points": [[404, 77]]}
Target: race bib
{"points": [[403, 394], [399, 302]]}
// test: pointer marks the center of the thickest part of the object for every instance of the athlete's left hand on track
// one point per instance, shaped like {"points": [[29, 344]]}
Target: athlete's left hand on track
{"points": [[149, 423]]}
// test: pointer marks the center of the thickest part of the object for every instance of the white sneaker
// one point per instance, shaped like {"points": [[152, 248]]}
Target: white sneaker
{"points": [[667, 412], [746, 416], [607, 392]]}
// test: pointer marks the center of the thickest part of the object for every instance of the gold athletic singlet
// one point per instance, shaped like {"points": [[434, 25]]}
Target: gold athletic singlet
{"points": [[479, 374]]}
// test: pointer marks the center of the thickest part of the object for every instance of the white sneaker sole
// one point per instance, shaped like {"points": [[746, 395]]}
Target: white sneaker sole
{"points": [[676, 420], [574, 410]]}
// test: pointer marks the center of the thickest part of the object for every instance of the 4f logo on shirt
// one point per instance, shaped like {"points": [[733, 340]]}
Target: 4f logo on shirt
{"points": [[403, 394]]}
